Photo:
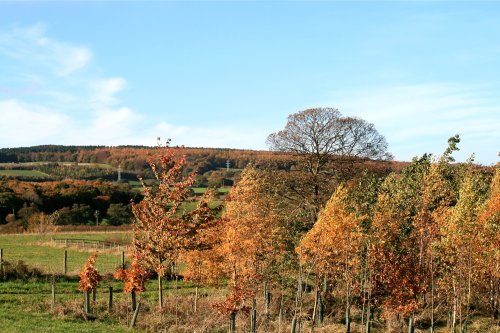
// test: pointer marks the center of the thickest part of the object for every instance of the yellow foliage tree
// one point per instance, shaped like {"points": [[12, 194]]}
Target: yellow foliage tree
{"points": [[331, 248]]}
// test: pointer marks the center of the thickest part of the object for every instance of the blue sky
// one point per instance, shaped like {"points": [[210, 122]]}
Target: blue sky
{"points": [[227, 74]]}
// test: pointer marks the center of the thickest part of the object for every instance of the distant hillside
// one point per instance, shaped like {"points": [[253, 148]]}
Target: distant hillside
{"points": [[92, 162]]}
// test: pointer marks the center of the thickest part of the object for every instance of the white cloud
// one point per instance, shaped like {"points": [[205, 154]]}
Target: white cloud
{"points": [[104, 91], [69, 105], [31, 47], [420, 118], [38, 123]]}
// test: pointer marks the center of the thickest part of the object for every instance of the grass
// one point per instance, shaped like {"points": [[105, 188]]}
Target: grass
{"points": [[202, 190], [25, 307], [35, 250], [34, 164], [23, 173]]}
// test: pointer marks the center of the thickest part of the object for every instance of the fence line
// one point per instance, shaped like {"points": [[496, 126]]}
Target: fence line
{"points": [[89, 243]]}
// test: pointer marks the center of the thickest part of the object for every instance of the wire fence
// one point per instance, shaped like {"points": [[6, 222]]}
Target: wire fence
{"points": [[55, 260]]}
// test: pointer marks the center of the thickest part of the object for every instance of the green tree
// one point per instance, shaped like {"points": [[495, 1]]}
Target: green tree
{"points": [[119, 214]]}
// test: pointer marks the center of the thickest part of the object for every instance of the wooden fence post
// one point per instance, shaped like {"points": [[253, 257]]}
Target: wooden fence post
{"points": [[110, 299], [123, 259], [134, 302], [53, 287], [1, 262], [65, 263]]}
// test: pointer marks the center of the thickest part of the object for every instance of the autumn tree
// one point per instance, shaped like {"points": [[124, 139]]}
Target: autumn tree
{"points": [[250, 242], [489, 237], [460, 246], [394, 260], [89, 278], [321, 137], [134, 279], [163, 229], [332, 247]]}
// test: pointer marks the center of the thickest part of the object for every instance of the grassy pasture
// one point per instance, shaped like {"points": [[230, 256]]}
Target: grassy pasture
{"points": [[203, 190], [25, 305], [23, 173], [37, 251], [34, 164]]}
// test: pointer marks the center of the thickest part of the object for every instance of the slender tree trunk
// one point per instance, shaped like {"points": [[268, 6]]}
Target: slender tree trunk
{"points": [[411, 328], [86, 296], [469, 282], [321, 309], [253, 317], [160, 291], [232, 322], [369, 311], [294, 325], [315, 308], [134, 316], [195, 298], [432, 292], [368, 319], [348, 290], [267, 299], [282, 299]]}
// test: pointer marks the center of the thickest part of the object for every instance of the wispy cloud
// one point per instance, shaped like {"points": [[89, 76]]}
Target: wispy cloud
{"points": [[58, 99], [420, 118], [30, 46]]}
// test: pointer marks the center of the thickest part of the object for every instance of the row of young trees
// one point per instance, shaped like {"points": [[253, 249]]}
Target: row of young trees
{"points": [[420, 245]]}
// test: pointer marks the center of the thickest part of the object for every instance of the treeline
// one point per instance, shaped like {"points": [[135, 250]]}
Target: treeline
{"points": [[66, 202], [135, 159]]}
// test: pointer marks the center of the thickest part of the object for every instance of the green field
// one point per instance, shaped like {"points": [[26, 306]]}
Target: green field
{"points": [[34, 164], [37, 251], [23, 173], [202, 190]]}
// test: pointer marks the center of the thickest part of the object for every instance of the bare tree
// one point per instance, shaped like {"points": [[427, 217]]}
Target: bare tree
{"points": [[323, 140]]}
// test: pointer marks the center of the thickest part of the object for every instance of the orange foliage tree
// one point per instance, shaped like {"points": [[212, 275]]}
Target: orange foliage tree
{"points": [[163, 230], [394, 260], [250, 244], [460, 247], [489, 228], [89, 278], [134, 278], [332, 247]]}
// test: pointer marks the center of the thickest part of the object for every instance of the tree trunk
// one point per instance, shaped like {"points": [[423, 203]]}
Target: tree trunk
{"points": [[160, 291], [86, 304], [321, 309], [253, 317], [195, 299], [134, 316], [315, 308], [411, 328], [348, 317], [232, 322], [294, 325], [432, 294], [368, 319]]}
